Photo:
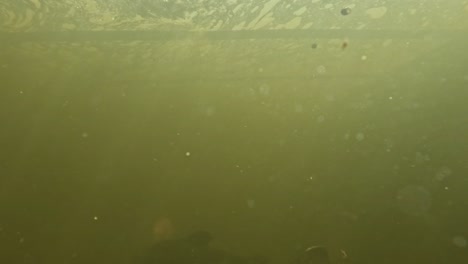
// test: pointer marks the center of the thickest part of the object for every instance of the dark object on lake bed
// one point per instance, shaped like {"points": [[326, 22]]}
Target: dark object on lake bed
{"points": [[314, 45], [346, 11], [344, 45]]}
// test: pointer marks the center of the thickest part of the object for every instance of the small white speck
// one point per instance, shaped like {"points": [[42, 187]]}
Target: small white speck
{"points": [[321, 69], [390, 98], [187, 154], [360, 136], [363, 57], [21, 92], [95, 218], [84, 135], [446, 187]]}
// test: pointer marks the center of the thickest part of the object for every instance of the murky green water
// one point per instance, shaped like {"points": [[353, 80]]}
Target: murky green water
{"points": [[301, 127]]}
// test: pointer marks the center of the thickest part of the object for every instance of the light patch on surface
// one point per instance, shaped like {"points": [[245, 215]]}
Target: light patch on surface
{"points": [[26, 19], [190, 16], [36, 3], [104, 18], [239, 26], [91, 6], [68, 26], [265, 21], [266, 9], [294, 23], [308, 25], [387, 43], [218, 25], [254, 9], [300, 11], [376, 12], [237, 8], [8, 17]]}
